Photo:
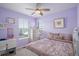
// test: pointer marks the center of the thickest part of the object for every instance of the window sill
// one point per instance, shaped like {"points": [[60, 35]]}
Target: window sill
{"points": [[24, 38]]}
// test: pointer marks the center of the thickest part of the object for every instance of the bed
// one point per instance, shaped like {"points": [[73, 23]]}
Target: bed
{"points": [[55, 45]]}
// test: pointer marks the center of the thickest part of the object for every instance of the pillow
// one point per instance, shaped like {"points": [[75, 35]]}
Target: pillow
{"points": [[60, 37], [68, 37], [55, 36], [50, 36]]}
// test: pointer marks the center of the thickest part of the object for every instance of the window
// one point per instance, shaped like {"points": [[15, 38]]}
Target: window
{"points": [[23, 28]]}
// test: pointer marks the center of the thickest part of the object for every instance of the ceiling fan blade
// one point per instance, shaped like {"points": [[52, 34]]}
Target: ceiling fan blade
{"points": [[45, 9], [33, 13], [29, 9]]}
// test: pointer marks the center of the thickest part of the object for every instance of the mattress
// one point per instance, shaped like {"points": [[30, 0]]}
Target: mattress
{"points": [[46, 47]]}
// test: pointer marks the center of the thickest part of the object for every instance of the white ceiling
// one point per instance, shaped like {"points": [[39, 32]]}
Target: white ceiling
{"points": [[54, 7]]}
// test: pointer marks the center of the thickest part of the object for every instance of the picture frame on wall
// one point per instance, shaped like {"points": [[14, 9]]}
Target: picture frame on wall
{"points": [[11, 20], [59, 23]]}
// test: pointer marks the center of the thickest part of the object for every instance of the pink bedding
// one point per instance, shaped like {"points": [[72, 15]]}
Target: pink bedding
{"points": [[46, 47]]}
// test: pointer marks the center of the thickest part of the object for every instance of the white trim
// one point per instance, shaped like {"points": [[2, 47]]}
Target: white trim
{"points": [[23, 38]]}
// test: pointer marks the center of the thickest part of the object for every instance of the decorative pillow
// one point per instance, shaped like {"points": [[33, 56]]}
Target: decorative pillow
{"points": [[60, 37], [55, 36], [50, 36]]}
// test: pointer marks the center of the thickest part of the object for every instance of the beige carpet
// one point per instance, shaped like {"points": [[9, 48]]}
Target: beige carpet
{"points": [[24, 52]]}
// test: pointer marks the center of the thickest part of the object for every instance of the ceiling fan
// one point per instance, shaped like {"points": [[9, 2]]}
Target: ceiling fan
{"points": [[38, 10]]}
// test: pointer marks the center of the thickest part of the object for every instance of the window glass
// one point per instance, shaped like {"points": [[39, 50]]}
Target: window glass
{"points": [[23, 28]]}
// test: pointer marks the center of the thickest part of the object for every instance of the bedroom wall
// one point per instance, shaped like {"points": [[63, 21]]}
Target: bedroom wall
{"points": [[70, 20], [4, 13], [78, 15]]}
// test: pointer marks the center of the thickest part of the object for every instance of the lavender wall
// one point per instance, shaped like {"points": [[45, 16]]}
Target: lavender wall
{"points": [[78, 15], [4, 13], [70, 19]]}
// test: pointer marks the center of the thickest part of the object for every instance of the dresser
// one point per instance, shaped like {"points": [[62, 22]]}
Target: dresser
{"points": [[7, 46]]}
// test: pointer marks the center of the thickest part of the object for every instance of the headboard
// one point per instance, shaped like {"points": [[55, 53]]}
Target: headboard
{"points": [[60, 37]]}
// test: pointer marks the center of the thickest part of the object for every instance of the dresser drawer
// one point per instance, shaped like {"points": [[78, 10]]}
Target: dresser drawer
{"points": [[2, 53], [11, 43], [2, 45]]}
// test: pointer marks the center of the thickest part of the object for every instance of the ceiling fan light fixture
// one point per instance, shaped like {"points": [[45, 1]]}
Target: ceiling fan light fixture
{"points": [[37, 12]]}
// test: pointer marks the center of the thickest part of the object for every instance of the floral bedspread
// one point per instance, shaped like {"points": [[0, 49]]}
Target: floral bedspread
{"points": [[51, 47]]}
